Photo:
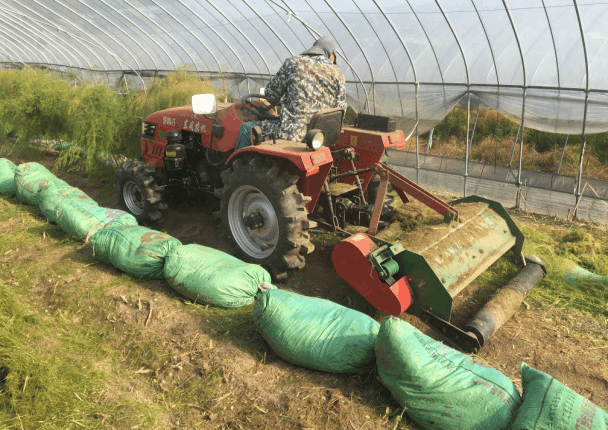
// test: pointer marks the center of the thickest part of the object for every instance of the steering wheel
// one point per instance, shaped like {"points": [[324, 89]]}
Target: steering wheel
{"points": [[261, 111]]}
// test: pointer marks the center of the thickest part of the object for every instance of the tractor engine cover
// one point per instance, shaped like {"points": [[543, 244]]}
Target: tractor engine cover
{"points": [[351, 262], [175, 157]]}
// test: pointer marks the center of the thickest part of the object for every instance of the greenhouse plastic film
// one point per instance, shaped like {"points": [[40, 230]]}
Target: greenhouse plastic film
{"points": [[207, 275], [316, 333], [414, 59], [440, 387], [7, 176], [137, 251], [544, 180]]}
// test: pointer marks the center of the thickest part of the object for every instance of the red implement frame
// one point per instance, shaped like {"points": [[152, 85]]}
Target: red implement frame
{"points": [[402, 187]]}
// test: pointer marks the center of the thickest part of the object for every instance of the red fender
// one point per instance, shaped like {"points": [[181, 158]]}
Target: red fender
{"points": [[311, 166]]}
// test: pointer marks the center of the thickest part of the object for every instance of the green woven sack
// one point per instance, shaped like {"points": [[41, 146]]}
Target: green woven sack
{"points": [[137, 251], [316, 333], [441, 387], [550, 405], [53, 192], [28, 177], [81, 220], [7, 177], [210, 276]]}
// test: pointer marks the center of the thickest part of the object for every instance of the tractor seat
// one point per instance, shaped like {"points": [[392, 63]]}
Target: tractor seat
{"points": [[329, 121]]}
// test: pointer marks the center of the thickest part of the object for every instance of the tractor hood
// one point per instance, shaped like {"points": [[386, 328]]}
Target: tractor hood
{"points": [[171, 117]]}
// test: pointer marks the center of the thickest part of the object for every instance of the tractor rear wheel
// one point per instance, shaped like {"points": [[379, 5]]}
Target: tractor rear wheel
{"points": [[266, 214], [139, 192]]}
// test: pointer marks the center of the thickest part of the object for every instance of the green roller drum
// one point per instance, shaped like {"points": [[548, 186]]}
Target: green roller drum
{"points": [[426, 268], [450, 258]]}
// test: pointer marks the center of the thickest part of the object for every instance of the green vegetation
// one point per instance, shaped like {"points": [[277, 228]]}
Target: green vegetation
{"points": [[62, 364], [562, 247], [38, 382], [34, 104], [39, 106]]}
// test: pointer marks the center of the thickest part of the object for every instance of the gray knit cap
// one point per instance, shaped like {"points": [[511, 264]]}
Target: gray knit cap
{"points": [[322, 46]]}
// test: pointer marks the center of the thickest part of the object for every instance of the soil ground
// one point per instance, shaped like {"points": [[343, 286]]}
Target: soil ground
{"points": [[254, 388]]}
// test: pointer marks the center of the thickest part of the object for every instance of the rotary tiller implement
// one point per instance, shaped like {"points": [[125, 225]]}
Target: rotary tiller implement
{"points": [[423, 273]]}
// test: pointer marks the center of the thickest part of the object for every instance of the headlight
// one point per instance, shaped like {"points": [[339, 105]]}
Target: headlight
{"points": [[317, 141], [314, 139]]}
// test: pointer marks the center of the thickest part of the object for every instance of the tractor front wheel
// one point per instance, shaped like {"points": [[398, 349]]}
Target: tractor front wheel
{"points": [[139, 192], [266, 214]]}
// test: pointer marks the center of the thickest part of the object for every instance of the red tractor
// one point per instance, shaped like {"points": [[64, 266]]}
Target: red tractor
{"points": [[268, 189], [273, 191]]}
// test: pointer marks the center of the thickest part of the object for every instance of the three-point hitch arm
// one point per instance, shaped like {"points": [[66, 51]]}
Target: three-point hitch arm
{"points": [[402, 187]]}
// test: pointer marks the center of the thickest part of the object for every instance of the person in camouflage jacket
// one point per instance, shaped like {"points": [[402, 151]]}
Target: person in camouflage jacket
{"points": [[304, 85]]}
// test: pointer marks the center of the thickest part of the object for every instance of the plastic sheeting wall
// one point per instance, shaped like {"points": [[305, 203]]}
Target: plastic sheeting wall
{"points": [[542, 180], [542, 61], [541, 193]]}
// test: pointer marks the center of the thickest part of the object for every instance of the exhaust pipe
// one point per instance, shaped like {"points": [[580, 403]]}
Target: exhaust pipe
{"points": [[506, 302]]}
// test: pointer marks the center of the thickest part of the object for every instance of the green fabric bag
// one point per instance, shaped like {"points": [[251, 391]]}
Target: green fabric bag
{"points": [[28, 177], [210, 276], [81, 220], [550, 405], [137, 251], [53, 192], [316, 333], [7, 177], [441, 387]]}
